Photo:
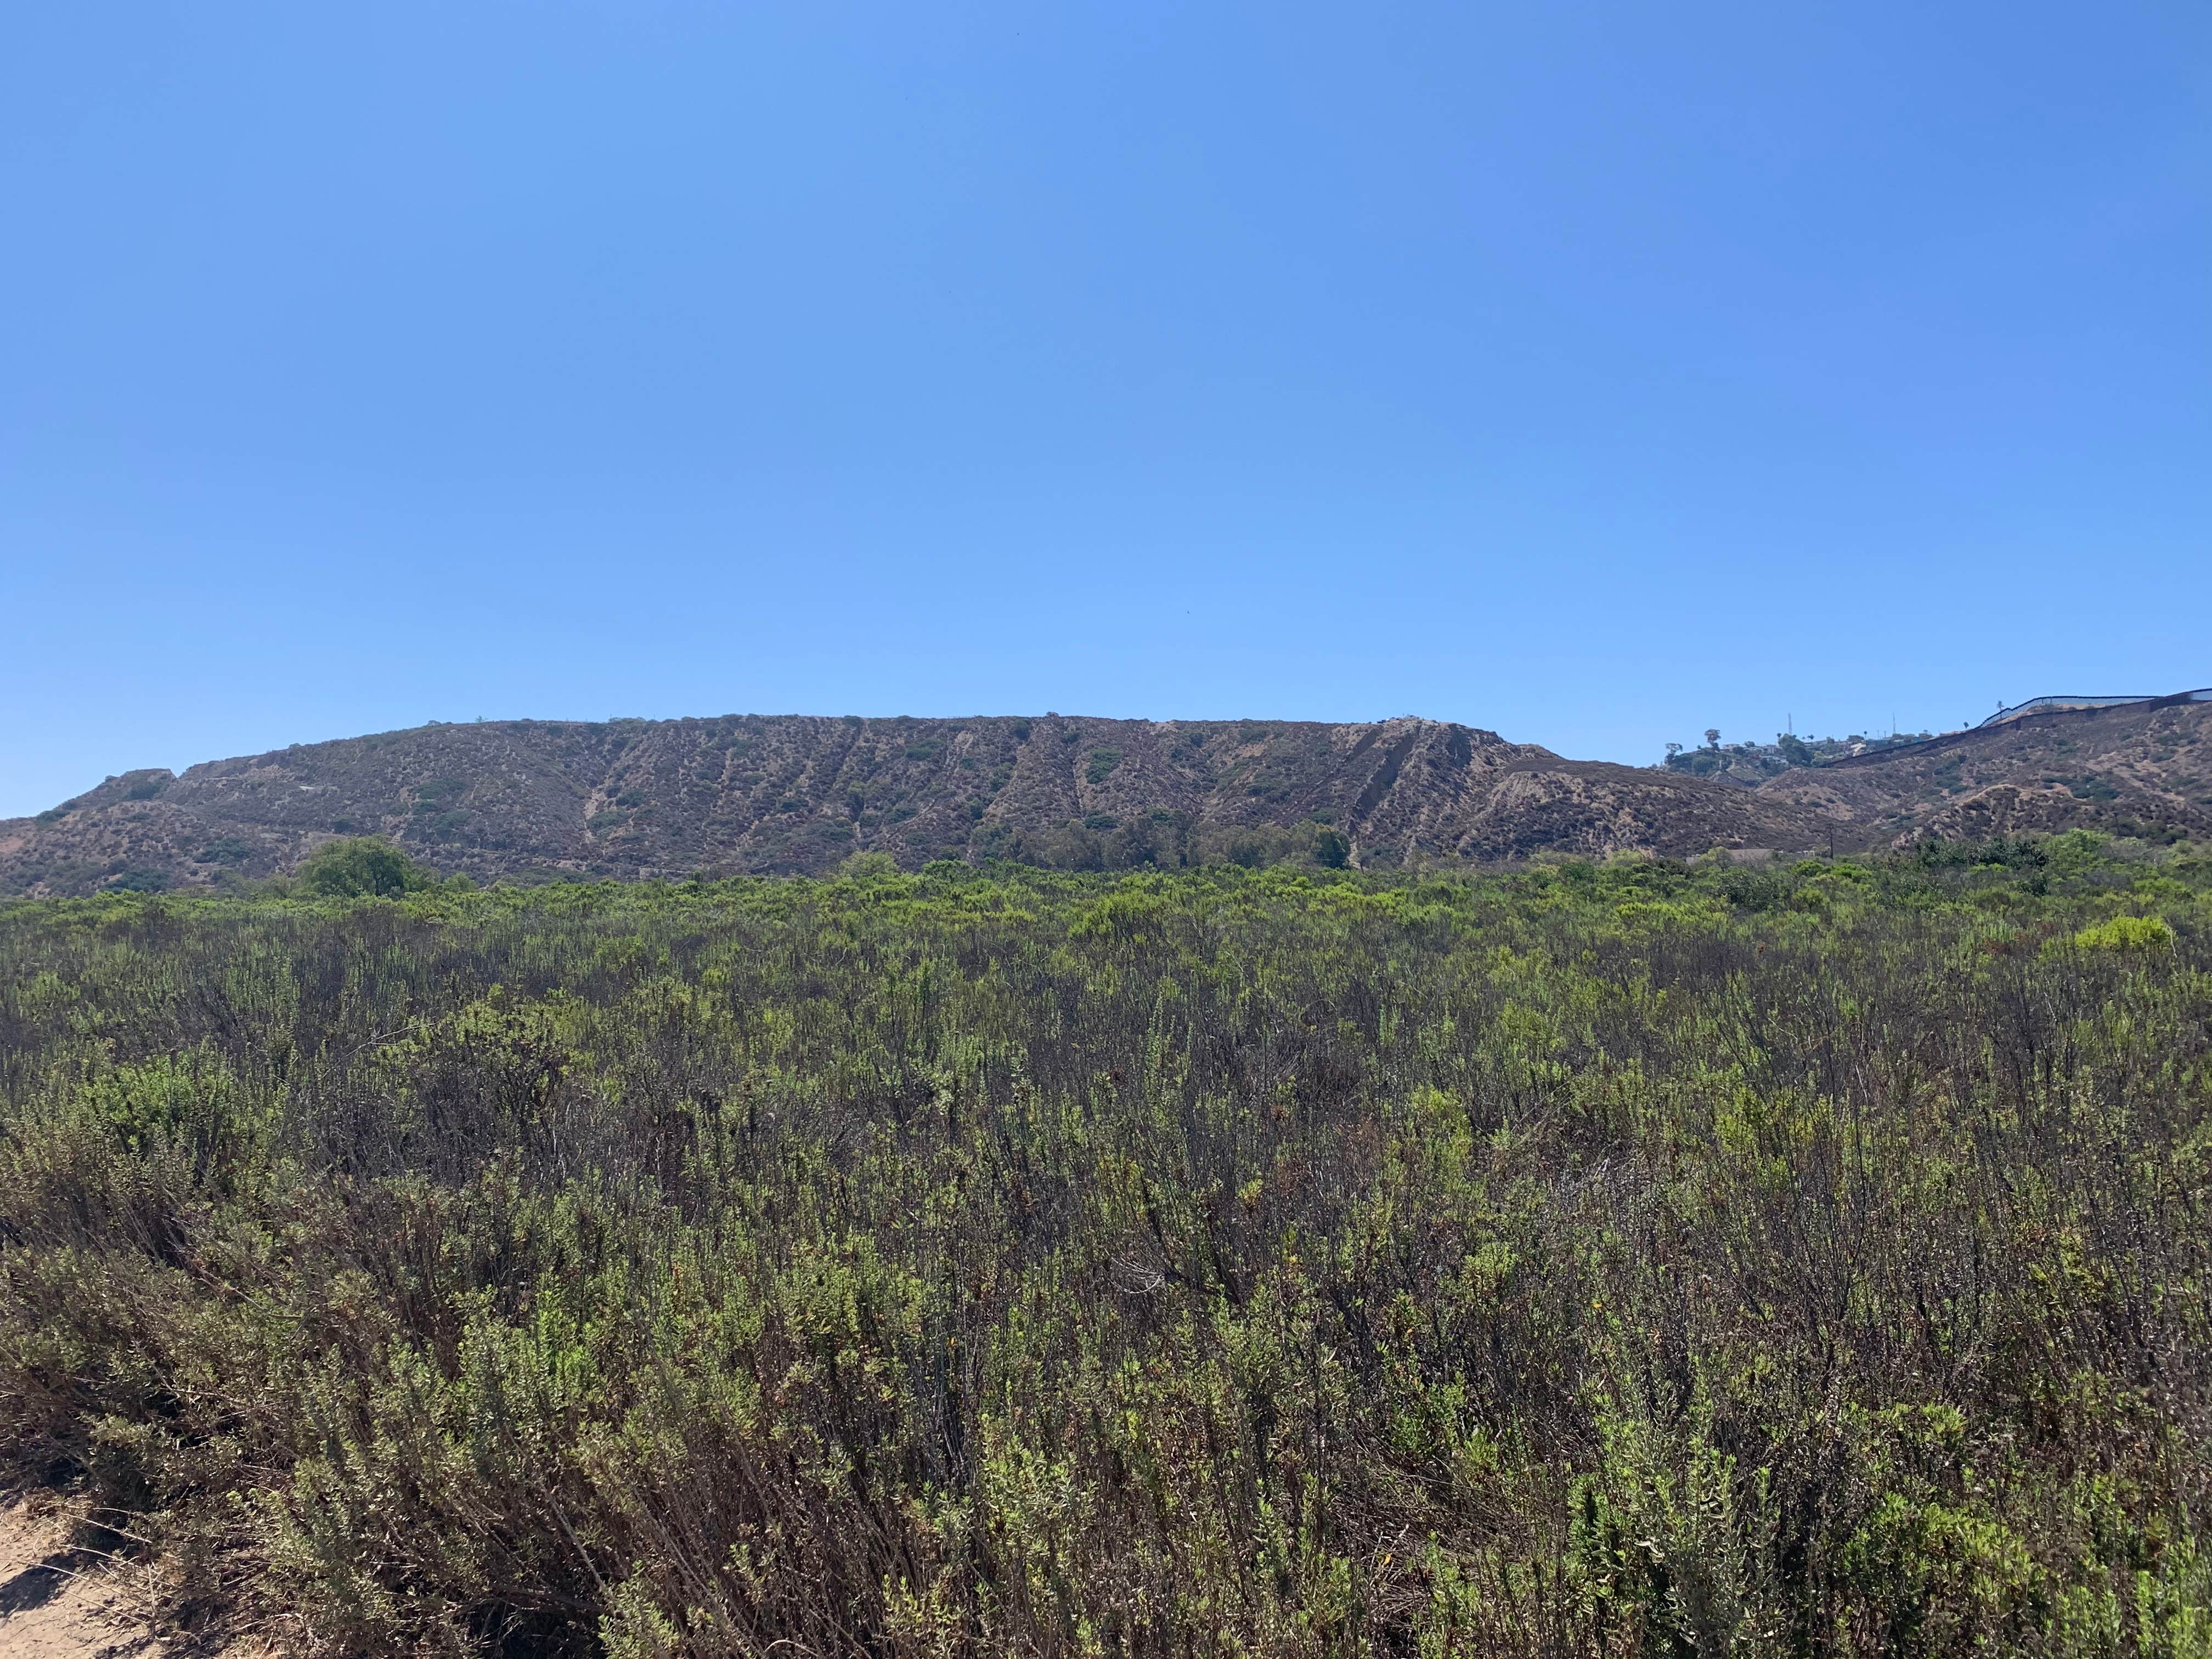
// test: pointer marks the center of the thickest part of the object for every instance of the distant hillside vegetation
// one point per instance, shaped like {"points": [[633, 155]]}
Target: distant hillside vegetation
{"points": [[541, 799], [1753, 763], [2140, 770], [535, 801]]}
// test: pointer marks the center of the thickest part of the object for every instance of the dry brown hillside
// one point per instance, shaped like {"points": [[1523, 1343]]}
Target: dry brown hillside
{"points": [[627, 799], [2138, 769], [540, 799]]}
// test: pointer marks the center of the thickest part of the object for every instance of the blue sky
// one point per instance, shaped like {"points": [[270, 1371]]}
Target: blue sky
{"points": [[1593, 373]]}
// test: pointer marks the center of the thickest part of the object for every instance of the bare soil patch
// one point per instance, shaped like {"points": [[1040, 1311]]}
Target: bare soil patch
{"points": [[62, 1597]]}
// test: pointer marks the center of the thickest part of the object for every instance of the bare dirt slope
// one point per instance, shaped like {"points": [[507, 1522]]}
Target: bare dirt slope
{"points": [[2138, 769], [775, 794]]}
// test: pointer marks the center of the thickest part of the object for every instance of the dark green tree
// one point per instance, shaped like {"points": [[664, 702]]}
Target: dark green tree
{"points": [[362, 868]]}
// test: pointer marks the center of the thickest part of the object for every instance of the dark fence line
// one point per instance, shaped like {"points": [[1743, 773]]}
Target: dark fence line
{"points": [[2036, 708]]}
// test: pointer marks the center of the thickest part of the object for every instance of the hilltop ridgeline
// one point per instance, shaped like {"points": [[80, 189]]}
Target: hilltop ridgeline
{"points": [[525, 799], [2139, 769], [529, 800]]}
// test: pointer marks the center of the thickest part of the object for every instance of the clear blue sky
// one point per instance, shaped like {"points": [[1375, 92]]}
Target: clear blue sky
{"points": [[1593, 373]]}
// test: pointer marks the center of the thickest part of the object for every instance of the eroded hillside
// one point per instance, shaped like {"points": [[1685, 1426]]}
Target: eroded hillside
{"points": [[746, 793], [2140, 769], [797, 795]]}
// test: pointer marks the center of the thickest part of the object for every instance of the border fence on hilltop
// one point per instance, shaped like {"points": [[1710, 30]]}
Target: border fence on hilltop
{"points": [[2033, 707], [2055, 705]]}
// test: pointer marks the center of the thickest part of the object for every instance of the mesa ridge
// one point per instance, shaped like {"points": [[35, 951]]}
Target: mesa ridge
{"points": [[535, 800]]}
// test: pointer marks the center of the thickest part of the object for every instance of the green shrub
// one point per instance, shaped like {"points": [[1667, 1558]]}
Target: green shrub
{"points": [[2126, 933], [362, 868], [1609, 1258]]}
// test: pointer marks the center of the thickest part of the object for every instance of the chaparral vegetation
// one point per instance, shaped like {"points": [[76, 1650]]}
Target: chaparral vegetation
{"points": [[1621, 1258]]}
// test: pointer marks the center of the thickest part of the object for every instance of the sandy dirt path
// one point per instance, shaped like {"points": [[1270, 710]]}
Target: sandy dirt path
{"points": [[59, 1600]]}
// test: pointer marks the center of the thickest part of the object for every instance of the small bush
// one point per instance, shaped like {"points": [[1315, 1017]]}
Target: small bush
{"points": [[2126, 933]]}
